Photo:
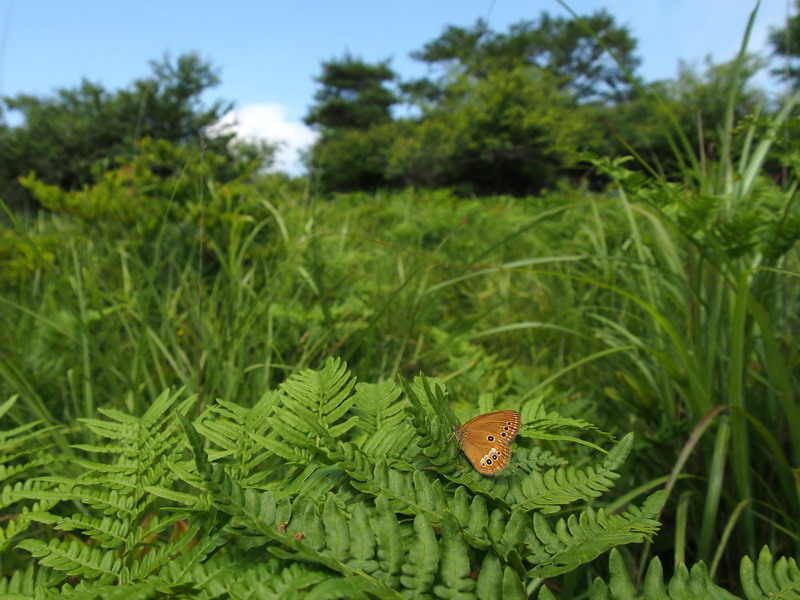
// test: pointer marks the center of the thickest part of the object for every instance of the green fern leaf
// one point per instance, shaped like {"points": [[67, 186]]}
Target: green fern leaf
{"points": [[768, 580], [376, 406], [363, 544], [337, 534], [422, 561], [156, 558], [454, 571], [74, 558], [565, 485], [581, 539], [325, 395], [390, 542], [410, 492], [759, 582], [538, 423], [490, 578]]}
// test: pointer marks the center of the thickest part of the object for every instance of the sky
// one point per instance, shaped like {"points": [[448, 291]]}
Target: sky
{"points": [[268, 52]]}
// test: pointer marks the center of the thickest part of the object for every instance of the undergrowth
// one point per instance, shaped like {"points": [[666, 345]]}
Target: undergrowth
{"points": [[325, 488]]}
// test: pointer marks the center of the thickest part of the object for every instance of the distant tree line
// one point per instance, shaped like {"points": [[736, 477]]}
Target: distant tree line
{"points": [[514, 112], [518, 112], [73, 138]]}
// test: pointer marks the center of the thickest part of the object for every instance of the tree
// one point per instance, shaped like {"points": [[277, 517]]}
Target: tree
{"points": [[512, 132], [352, 110], [505, 115], [564, 47], [353, 95], [786, 46], [346, 160], [63, 138]]}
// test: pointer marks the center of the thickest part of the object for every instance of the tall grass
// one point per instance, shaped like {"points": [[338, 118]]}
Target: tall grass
{"points": [[117, 314], [604, 303], [715, 284]]}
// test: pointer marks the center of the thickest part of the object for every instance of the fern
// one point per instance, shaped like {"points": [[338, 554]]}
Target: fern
{"points": [[759, 581], [468, 512], [324, 488], [117, 512], [25, 454]]}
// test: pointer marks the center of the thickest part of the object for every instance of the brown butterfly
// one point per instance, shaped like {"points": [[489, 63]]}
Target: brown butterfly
{"points": [[486, 440]]}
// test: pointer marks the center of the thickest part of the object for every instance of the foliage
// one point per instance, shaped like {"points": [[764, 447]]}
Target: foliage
{"points": [[71, 139], [162, 182], [504, 117], [712, 258], [665, 306], [784, 45], [349, 160], [574, 51], [764, 579], [353, 111], [353, 95], [510, 132], [692, 106], [324, 487], [299, 485]]}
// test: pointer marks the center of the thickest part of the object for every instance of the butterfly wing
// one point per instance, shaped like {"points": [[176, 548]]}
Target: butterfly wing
{"points": [[504, 423], [488, 459], [486, 440]]}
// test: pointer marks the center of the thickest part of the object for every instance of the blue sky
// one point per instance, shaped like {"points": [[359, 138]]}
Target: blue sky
{"points": [[269, 52]]}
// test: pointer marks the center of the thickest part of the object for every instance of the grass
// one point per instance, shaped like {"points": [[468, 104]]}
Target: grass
{"points": [[603, 302]]}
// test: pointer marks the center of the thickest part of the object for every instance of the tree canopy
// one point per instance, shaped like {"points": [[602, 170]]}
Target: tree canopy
{"points": [[63, 138], [786, 47], [353, 95], [564, 47], [501, 112]]}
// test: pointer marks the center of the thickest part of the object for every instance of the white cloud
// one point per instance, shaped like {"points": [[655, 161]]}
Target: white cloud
{"points": [[268, 122]]}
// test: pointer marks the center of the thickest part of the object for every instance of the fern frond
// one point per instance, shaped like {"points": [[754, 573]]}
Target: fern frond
{"points": [[390, 549], [766, 579], [328, 534], [310, 413], [686, 583], [540, 424], [26, 458], [382, 429], [434, 433], [472, 516], [527, 460], [74, 558], [324, 396], [116, 507], [496, 582], [20, 437], [152, 559], [419, 570], [454, 565], [231, 428], [324, 488], [25, 583], [564, 485], [376, 406], [187, 567], [410, 492], [108, 532], [580, 539], [85, 590]]}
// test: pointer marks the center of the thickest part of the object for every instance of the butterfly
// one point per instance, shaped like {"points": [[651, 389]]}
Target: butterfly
{"points": [[486, 440]]}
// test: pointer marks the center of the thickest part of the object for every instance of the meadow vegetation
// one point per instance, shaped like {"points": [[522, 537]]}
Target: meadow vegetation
{"points": [[221, 382]]}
